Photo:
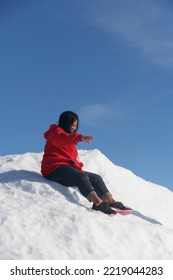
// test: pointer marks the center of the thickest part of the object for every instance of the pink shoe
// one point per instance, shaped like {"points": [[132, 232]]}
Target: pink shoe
{"points": [[120, 208]]}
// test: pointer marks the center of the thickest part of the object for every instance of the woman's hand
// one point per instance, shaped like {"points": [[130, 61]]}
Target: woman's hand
{"points": [[87, 139]]}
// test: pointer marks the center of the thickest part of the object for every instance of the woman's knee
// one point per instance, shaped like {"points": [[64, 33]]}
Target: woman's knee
{"points": [[97, 178], [83, 177]]}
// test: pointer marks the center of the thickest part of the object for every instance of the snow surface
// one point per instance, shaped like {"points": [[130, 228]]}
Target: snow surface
{"points": [[43, 220]]}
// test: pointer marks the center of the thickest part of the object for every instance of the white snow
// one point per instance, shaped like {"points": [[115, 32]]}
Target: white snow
{"points": [[43, 220]]}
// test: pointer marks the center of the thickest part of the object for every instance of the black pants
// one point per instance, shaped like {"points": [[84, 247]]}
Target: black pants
{"points": [[87, 182]]}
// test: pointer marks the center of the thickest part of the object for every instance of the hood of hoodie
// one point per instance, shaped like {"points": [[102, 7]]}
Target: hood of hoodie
{"points": [[51, 128]]}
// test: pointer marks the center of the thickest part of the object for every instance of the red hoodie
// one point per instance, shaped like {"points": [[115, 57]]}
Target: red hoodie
{"points": [[60, 149]]}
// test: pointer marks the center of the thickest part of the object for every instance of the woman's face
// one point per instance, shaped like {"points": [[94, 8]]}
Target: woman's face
{"points": [[73, 127]]}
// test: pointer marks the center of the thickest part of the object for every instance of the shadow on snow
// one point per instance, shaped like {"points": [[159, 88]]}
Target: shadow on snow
{"points": [[17, 176]]}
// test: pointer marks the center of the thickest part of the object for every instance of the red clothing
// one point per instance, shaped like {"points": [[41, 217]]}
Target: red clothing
{"points": [[60, 149]]}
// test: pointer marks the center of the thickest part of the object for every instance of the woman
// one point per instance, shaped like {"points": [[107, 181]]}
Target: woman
{"points": [[60, 164]]}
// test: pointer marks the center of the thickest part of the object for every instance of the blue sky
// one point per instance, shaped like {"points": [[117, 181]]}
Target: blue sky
{"points": [[109, 61]]}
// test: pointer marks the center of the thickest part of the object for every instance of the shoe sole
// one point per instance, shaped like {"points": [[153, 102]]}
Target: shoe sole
{"points": [[123, 212]]}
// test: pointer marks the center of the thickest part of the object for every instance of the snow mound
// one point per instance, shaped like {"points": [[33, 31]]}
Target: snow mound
{"points": [[40, 219]]}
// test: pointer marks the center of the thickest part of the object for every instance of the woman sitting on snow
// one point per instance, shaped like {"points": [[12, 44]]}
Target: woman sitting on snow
{"points": [[60, 164]]}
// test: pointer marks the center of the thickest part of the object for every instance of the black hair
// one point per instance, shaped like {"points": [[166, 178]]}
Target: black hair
{"points": [[66, 119]]}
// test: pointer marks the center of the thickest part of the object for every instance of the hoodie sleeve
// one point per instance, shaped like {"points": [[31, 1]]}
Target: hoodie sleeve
{"points": [[60, 137]]}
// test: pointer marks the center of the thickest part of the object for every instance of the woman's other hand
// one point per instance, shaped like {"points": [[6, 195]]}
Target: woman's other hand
{"points": [[87, 139]]}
